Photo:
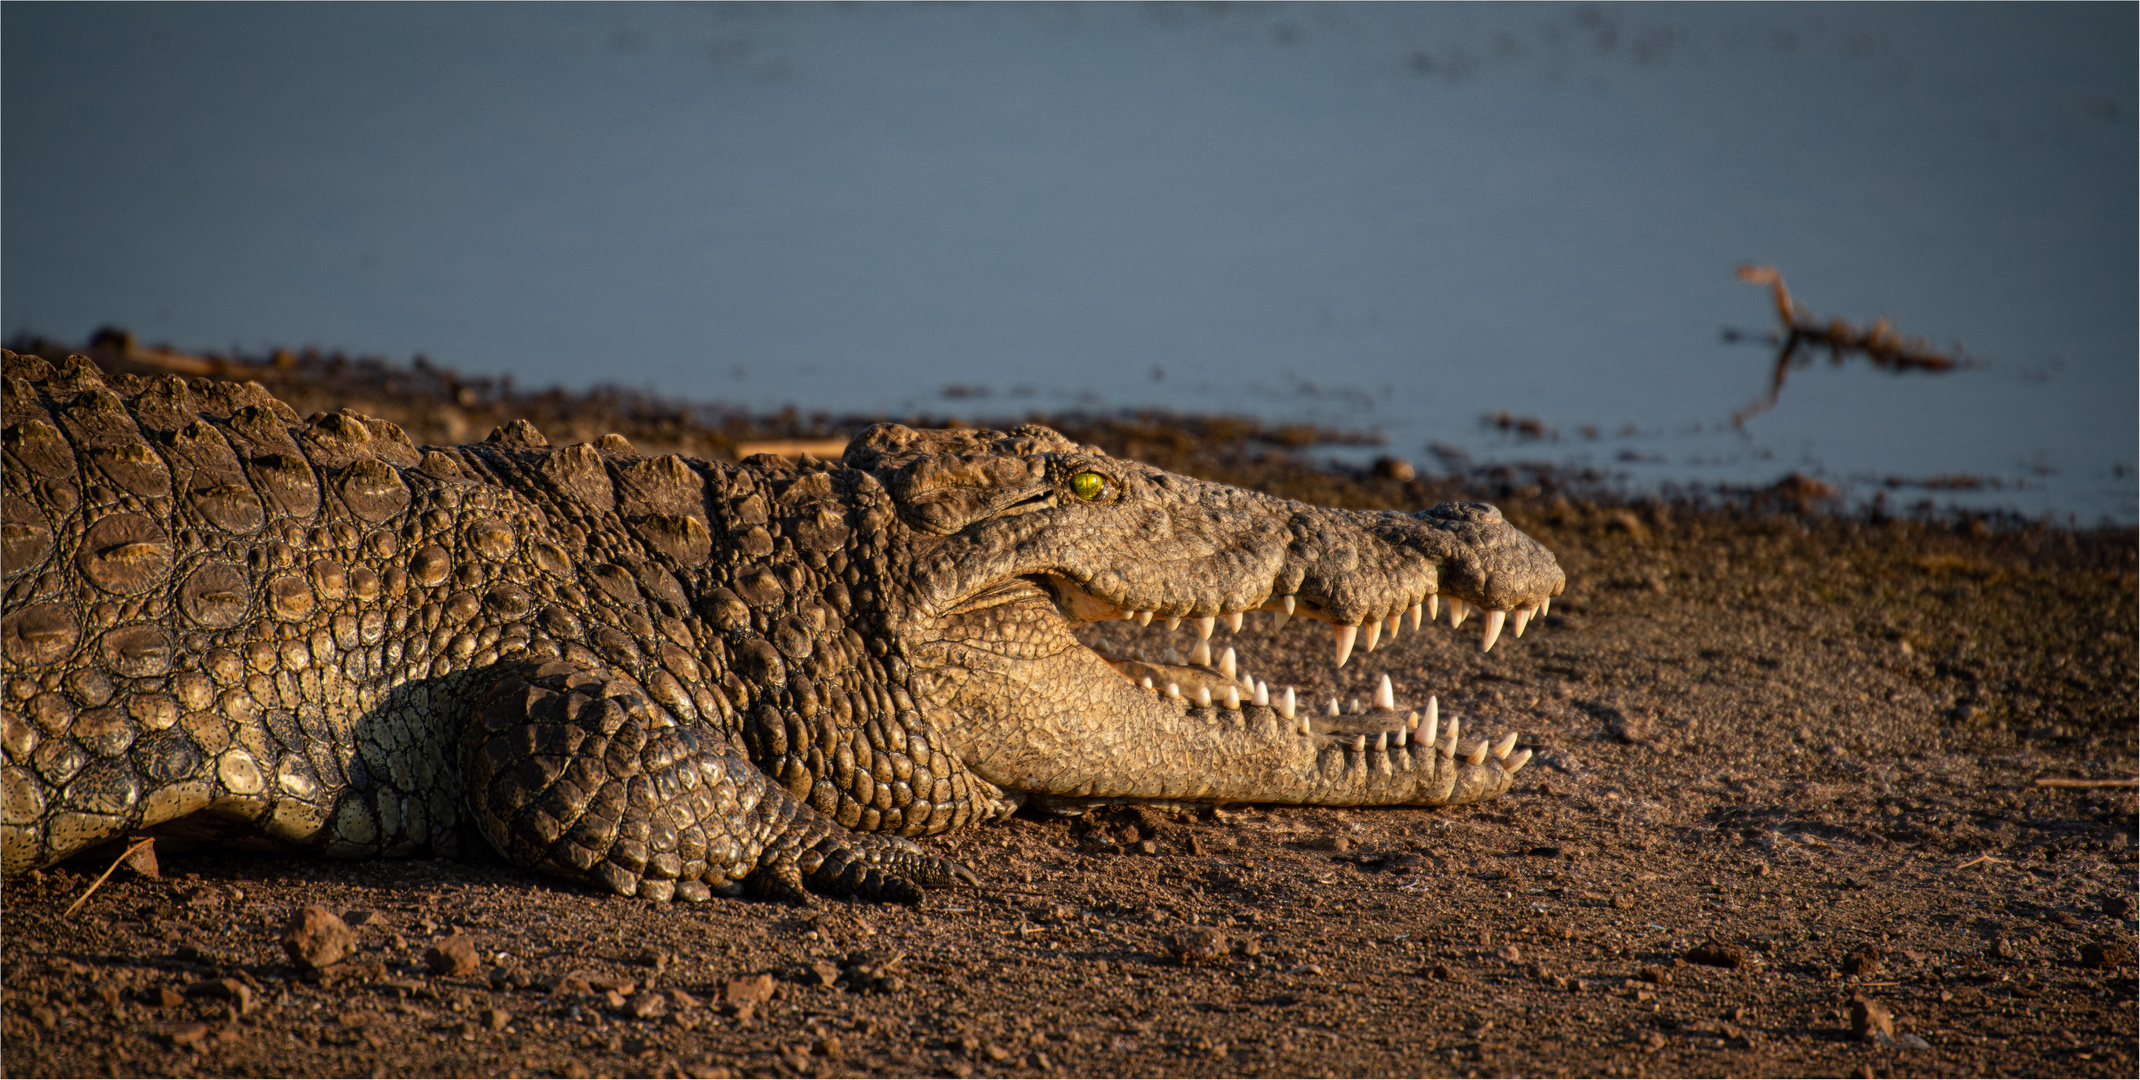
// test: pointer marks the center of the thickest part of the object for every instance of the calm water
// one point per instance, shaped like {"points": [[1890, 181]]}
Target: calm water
{"points": [[1389, 217]]}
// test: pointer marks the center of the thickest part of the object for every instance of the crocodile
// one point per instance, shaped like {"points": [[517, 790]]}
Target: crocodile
{"points": [[672, 678]]}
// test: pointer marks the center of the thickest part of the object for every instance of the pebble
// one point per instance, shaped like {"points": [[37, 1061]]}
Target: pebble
{"points": [[316, 937], [231, 990], [453, 956], [1870, 1019], [647, 1005], [748, 990], [1715, 953], [496, 1019], [2105, 954], [1198, 945]]}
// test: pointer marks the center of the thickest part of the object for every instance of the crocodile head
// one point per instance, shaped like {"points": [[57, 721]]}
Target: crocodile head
{"points": [[1010, 542]]}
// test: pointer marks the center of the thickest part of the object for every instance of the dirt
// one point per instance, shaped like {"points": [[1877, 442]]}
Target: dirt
{"points": [[1784, 818]]}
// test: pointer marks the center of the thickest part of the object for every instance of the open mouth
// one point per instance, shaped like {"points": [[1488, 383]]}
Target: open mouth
{"points": [[1145, 648]]}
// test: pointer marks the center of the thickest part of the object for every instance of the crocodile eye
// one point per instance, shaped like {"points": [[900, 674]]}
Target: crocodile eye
{"points": [[1088, 485]]}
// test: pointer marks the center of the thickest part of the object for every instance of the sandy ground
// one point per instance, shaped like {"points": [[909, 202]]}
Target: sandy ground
{"points": [[1784, 818]]}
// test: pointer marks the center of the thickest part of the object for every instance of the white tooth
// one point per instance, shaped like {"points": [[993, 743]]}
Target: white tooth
{"points": [[1278, 620], [1305, 729], [1456, 724], [1233, 622], [1457, 610], [1144, 618], [1287, 704], [1382, 741], [1396, 623], [1356, 709], [1415, 611], [1345, 637], [1147, 682], [1404, 735], [1520, 618], [1374, 635], [1359, 743], [1507, 743], [1203, 696], [1434, 607], [1334, 707], [1430, 725], [1174, 623], [1263, 694], [1203, 627], [1201, 655], [1286, 602], [1226, 663], [1232, 699], [1171, 656], [1477, 755], [1411, 721], [1491, 631], [1515, 764], [1545, 607], [1386, 695], [1174, 690]]}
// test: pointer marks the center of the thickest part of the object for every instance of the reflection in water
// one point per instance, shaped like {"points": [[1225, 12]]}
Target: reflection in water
{"points": [[1392, 217]]}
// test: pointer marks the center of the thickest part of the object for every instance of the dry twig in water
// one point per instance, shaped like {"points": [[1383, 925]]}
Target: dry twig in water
{"points": [[1804, 334]]}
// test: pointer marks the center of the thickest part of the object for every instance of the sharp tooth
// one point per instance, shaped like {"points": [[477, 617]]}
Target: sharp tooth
{"points": [[1263, 694], [1174, 690], [1232, 699], [1226, 663], [1456, 724], [1233, 622], [1287, 704], [1382, 741], [1545, 607], [1396, 623], [1147, 683], [1515, 764], [1203, 627], [1415, 611], [1374, 635], [1404, 735], [1491, 631], [1334, 707], [1144, 618], [1305, 729], [1457, 610], [1356, 709], [1430, 725], [1386, 695], [1174, 623], [1411, 721], [1171, 656], [1203, 696], [1345, 637], [1434, 607], [1359, 743], [1507, 743], [1286, 602], [1477, 755], [1519, 618], [1284, 612], [1201, 655]]}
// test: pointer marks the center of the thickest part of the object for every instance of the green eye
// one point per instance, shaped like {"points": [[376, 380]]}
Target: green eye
{"points": [[1088, 485]]}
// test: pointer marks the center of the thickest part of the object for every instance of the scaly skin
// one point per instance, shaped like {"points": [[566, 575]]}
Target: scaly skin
{"points": [[668, 678]]}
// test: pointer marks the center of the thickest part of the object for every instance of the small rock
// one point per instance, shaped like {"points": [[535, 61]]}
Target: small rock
{"points": [[1717, 954], [1655, 976], [496, 1019], [1654, 1041], [2118, 906], [570, 983], [316, 937], [360, 917], [2105, 954], [996, 1053], [748, 990], [682, 1000], [1510, 953], [187, 1034], [168, 998], [2004, 949], [1198, 945], [1388, 467], [1443, 972], [615, 999], [829, 1046], [231, 990], [1148, 847], [1864, 961], [826, 972], [647, 1005], [453, 956], [653, 958], [1869, 1019], [45, 1017]]}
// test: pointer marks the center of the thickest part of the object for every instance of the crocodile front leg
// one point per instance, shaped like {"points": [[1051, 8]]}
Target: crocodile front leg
{"points": [[573, 770]]}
